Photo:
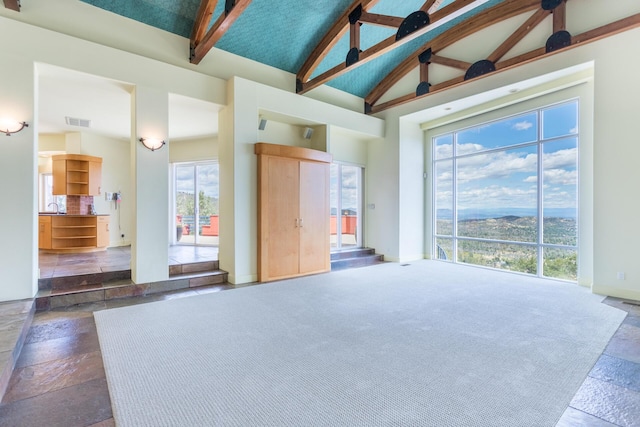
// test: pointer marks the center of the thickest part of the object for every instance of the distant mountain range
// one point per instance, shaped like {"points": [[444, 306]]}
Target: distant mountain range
{"points": [[467, 214]]}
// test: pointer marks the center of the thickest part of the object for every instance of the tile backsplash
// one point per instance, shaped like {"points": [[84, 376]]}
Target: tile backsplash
{"points": [[79, 205]]}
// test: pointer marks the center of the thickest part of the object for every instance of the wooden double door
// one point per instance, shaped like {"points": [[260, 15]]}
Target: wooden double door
{"points": [[293, 220]]}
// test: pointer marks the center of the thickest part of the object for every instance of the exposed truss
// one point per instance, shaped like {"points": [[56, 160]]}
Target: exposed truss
{"points": [[12, 4], [202, 40], [409, 28], [559, 39]]}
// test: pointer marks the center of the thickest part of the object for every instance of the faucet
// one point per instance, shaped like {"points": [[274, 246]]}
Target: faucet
{"points": [[56, 211]]}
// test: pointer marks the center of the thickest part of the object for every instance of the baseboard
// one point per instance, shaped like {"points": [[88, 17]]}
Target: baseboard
{"points": [[616, 292], [242, 280]]}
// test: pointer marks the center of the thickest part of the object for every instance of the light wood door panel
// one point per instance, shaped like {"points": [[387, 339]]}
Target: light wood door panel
{"points": [[283, 214], [314, 217]]}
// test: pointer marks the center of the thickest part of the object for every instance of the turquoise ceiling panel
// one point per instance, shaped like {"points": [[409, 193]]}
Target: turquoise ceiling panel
{"points": [[282, 33]]}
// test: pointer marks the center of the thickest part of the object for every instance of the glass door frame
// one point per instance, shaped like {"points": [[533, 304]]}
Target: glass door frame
{"points": [[360, 206], [196, 201]]}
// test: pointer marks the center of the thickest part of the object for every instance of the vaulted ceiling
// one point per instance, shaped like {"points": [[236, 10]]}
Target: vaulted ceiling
{"points": [[363, 47]]}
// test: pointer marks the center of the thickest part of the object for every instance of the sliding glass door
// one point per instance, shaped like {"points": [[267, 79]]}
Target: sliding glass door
{"points": [[196, 203], [346, 206]]}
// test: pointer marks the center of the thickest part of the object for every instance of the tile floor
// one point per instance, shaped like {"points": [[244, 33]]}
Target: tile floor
{"points": [[114, 259], [59, 379]]}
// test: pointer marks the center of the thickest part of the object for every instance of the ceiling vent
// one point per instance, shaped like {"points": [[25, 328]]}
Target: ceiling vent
{"points": [[84, 123]]}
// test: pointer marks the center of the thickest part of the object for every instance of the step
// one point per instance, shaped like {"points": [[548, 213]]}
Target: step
{"points": [[352, 253], [66, 296], [357, 261], [193, 267]]}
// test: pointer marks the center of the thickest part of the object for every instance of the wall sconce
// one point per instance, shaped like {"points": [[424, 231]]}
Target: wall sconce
{"points": [[8, 126], [152, 144]]}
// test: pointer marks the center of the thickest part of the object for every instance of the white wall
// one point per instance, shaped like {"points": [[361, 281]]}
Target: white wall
{"points": [[192, 150], [116, 176], [18, 172]]}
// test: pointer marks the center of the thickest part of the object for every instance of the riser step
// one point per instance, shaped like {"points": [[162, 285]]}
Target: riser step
{"points": [[193, 267], [361, 261], [352, 253], [48, 299]]}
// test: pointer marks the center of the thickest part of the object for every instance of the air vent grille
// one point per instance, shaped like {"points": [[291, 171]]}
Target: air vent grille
{"points": [[73, 121]]}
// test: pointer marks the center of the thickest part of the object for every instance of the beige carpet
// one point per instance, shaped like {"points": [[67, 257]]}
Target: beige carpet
{"points": [[429, 344]]}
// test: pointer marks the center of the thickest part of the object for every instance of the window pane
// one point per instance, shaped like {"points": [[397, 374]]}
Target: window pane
{"points": [[560, 189], [444, 249], [444, 198], [208, 189], [560, 120], [443, 146], [503, 133], [497, 195], [333, 203], [349, 200], [560, 263], [185, 200], [518, 258]]}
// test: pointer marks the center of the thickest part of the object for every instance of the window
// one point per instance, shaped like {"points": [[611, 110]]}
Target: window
{"points": [[506, 193], [47, 199]]}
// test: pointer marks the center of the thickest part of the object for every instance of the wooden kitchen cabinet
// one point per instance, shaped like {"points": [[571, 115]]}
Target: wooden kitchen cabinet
{"points": [[102, 231], [73, 233], [44, 232], [293, 211], [77, 175]]}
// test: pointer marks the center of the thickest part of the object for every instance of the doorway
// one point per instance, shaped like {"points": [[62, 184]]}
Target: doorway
{"points": [[196, 198], [346, 206]]}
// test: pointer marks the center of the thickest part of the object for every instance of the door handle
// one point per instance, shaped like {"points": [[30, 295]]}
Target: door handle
{"points": [[296, 222], [300, 222]]}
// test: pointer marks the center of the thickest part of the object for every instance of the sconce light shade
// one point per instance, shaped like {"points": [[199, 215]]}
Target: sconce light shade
{"points": [[152, 144], [11, 126]]}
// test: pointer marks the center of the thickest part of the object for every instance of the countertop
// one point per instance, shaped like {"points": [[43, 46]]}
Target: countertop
{"points": [[55, 214]]}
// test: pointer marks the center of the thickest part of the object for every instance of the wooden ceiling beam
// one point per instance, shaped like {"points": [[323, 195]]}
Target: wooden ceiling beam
{"points": [[518, 35], [378, 50], [12, 4], [533, 55], [205, 13], [222, 24], [382, 20], [560, 17], [430, 6], [331, 38], [482, 20], [450, 62]]}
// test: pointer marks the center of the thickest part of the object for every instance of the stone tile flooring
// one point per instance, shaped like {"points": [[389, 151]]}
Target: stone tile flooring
{"points": [[114, 259]]}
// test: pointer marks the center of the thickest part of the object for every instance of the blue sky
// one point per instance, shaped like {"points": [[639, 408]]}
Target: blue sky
{"points": [[208, 179], [508, 178]]}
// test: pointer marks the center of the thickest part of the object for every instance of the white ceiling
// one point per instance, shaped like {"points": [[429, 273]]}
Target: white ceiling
{"points": [[107, 103]]}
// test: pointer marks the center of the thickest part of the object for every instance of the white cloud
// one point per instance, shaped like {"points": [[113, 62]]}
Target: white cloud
{"points": [[500, 164], [560, 159], [560, 177], [522, 125]]}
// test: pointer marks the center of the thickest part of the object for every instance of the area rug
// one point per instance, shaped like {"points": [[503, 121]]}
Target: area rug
{"points": [[425, 344]]}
